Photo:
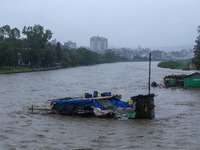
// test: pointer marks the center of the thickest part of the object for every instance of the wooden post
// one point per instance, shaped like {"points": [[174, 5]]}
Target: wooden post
{"points": [[149, 70]]}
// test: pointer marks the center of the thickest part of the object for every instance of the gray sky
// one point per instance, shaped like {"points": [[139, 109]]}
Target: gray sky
{"points": [[125, 23]]}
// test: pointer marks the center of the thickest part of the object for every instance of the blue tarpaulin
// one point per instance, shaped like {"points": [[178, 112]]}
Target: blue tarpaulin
{"points": [[68, 105]]}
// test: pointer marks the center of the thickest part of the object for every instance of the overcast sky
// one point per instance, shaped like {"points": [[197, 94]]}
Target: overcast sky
{"points": [[125, 23]]}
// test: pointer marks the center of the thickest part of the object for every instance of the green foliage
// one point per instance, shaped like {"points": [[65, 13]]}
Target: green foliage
{"points": [[74, 59], [14, 33], [34, 44], [66, 60], [197, 50], [6, 32], [110, 57], [184, 65], [58, 51], [49, 56], [87, 57], [36, 36], [15, 67], [6, 53]]}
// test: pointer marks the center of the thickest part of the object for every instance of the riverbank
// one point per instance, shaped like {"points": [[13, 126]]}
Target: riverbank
{"points": [[23, 70]]}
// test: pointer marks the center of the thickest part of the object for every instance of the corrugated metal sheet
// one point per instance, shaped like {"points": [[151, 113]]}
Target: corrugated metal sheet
{"points": [[191, 82]]}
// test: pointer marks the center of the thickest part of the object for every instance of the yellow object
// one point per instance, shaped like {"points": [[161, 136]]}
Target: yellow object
{"points": [[167, 79], [130, 102]]}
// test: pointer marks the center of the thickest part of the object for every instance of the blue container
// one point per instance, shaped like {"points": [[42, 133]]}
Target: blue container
{"points": [[95, 93], [88, 96], [108, 94]]}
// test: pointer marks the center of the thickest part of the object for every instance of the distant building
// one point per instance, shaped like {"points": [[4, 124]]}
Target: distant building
{"points": [[157, 54], [183, 52], [54, 42], [130, 55], [98, 43], [70, 44]]}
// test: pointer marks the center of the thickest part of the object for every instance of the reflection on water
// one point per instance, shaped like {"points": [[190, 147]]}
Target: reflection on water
{"points": [[176, 124]]}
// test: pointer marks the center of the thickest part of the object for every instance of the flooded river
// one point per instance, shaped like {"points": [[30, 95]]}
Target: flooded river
{"points": [[177, 113]]}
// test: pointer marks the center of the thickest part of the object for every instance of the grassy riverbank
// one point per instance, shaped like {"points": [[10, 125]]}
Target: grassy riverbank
{"points": [[176, 64], [21, 69]]}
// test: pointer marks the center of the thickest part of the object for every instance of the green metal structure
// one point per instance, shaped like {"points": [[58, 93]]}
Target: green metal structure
{"points": [[173, 81], [192, 80]]}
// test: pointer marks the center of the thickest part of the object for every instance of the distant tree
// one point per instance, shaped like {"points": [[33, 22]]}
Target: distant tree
{"points": [[197, 49], [66, 60], [1, 34], [25, 51], [176, 53], [49, 55], [110, 57], [85, 56], [7, 32], [13, 39], [58, 51], [74, 58], [36, 36], [35, 42], [14, 33], [6, 54]]}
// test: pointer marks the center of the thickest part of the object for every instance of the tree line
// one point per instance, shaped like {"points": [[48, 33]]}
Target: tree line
{"points": [[35, 49], [196, 59]]}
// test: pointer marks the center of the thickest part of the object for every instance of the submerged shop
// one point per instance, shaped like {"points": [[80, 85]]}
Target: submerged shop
{"points": [[185, 81], [106, 105]]}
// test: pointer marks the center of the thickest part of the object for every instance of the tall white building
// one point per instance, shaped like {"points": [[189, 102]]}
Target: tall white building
{"points": [[98, 43]]}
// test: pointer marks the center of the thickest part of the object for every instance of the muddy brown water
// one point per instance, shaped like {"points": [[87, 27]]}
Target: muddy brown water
{"points": [[176, 124]]}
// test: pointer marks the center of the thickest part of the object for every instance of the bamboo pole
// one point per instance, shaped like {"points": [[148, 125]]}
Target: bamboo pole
{"points": [[149, 70]]}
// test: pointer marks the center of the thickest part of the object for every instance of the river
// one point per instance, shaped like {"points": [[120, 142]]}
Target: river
{"points": [[177, 113]]}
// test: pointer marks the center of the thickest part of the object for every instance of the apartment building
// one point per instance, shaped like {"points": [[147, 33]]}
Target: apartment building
{"points": [[70, 44], [98, 43]]}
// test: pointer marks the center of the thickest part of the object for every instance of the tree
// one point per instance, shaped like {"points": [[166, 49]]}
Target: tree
{"points": [[74, 58], [66, 60], [110, 57], [197, 49], [58, 51], [49, 56], [85, 56], [6, 53], [5, 31], [36, 36], [14, 33], [35, 42]]}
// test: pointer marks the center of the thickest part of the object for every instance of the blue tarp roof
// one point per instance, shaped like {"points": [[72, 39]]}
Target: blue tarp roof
{"points": [[68, 105], [77, 100]]}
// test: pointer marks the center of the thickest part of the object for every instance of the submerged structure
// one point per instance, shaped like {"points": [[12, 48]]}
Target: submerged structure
{"points": [[192, 80], [184, 81], [106, 105], [174, 80]]}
